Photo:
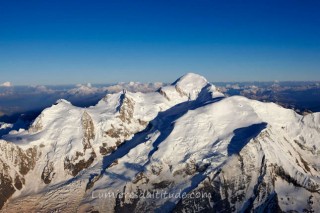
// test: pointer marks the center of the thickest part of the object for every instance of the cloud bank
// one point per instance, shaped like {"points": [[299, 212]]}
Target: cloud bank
{"points": [[6, 84]]}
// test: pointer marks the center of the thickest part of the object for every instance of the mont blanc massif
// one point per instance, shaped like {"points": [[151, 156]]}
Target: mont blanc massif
{"points": [[183, 148]]}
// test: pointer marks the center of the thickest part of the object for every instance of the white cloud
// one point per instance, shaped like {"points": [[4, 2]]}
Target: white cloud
{"points": [[134, 87], [88, 89], [42, 89], [82, 89], [6, 84]]}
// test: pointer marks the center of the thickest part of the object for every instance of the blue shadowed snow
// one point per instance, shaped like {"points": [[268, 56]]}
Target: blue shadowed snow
{"points": [[242, 136]]}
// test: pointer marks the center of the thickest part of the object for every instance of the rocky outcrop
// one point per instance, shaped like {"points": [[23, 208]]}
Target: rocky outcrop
{"points": [[6, 188], [126, 109], [124, 127], [88, 131], [48, 173], [15, 163], [78, 163], [104, 149], [80, 160]]}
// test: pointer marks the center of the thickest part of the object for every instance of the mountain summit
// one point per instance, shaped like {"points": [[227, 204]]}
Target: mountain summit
{"points": [[190, 86], [191, 82], [183, 148]]}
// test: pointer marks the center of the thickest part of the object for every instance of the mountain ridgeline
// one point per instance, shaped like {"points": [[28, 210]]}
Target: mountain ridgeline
{"points": [[183, 148]]}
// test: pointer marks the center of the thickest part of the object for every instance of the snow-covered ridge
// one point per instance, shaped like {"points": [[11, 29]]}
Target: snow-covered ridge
{"points": [[186, 137]]}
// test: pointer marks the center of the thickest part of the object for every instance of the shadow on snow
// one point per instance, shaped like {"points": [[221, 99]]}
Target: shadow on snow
{"points": [[242, 136]]}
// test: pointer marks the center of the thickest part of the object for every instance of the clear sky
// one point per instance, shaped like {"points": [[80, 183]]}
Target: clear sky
{"points": [[63, 41]]}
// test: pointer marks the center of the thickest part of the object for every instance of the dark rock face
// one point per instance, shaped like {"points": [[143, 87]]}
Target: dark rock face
{"points": [[123, 207], [106, 150], [222, 194], [18, 183], [88, 131], [140, 177], [47, 173], [126, 109], [18, 160], [75, 168], [118, 133], [6, 189], [78, 162], [28, 160]]}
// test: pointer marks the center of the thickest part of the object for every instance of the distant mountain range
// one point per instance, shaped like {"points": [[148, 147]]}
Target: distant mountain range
{"points": [[186, 147]]}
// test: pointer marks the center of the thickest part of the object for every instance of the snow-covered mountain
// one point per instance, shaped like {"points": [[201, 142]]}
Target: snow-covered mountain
{"points": [[184, 148]]}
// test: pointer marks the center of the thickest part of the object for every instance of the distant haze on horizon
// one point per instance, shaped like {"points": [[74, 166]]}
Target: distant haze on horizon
{"points": [[69, 42], [95, 85]]}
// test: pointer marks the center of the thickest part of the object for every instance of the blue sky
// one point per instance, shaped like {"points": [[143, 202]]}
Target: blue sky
{"points": [[68, 42]]}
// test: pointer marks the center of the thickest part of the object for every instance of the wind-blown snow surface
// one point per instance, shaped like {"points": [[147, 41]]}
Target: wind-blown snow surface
{"points": [[184, 139]]}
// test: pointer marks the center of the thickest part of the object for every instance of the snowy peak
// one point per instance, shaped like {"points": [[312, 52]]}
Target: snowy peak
{"points": [[191, 80], [62, 101], [190, 87]]}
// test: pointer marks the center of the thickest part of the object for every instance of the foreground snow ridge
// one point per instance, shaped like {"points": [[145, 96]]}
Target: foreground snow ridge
{"points": [[184, 148]]}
